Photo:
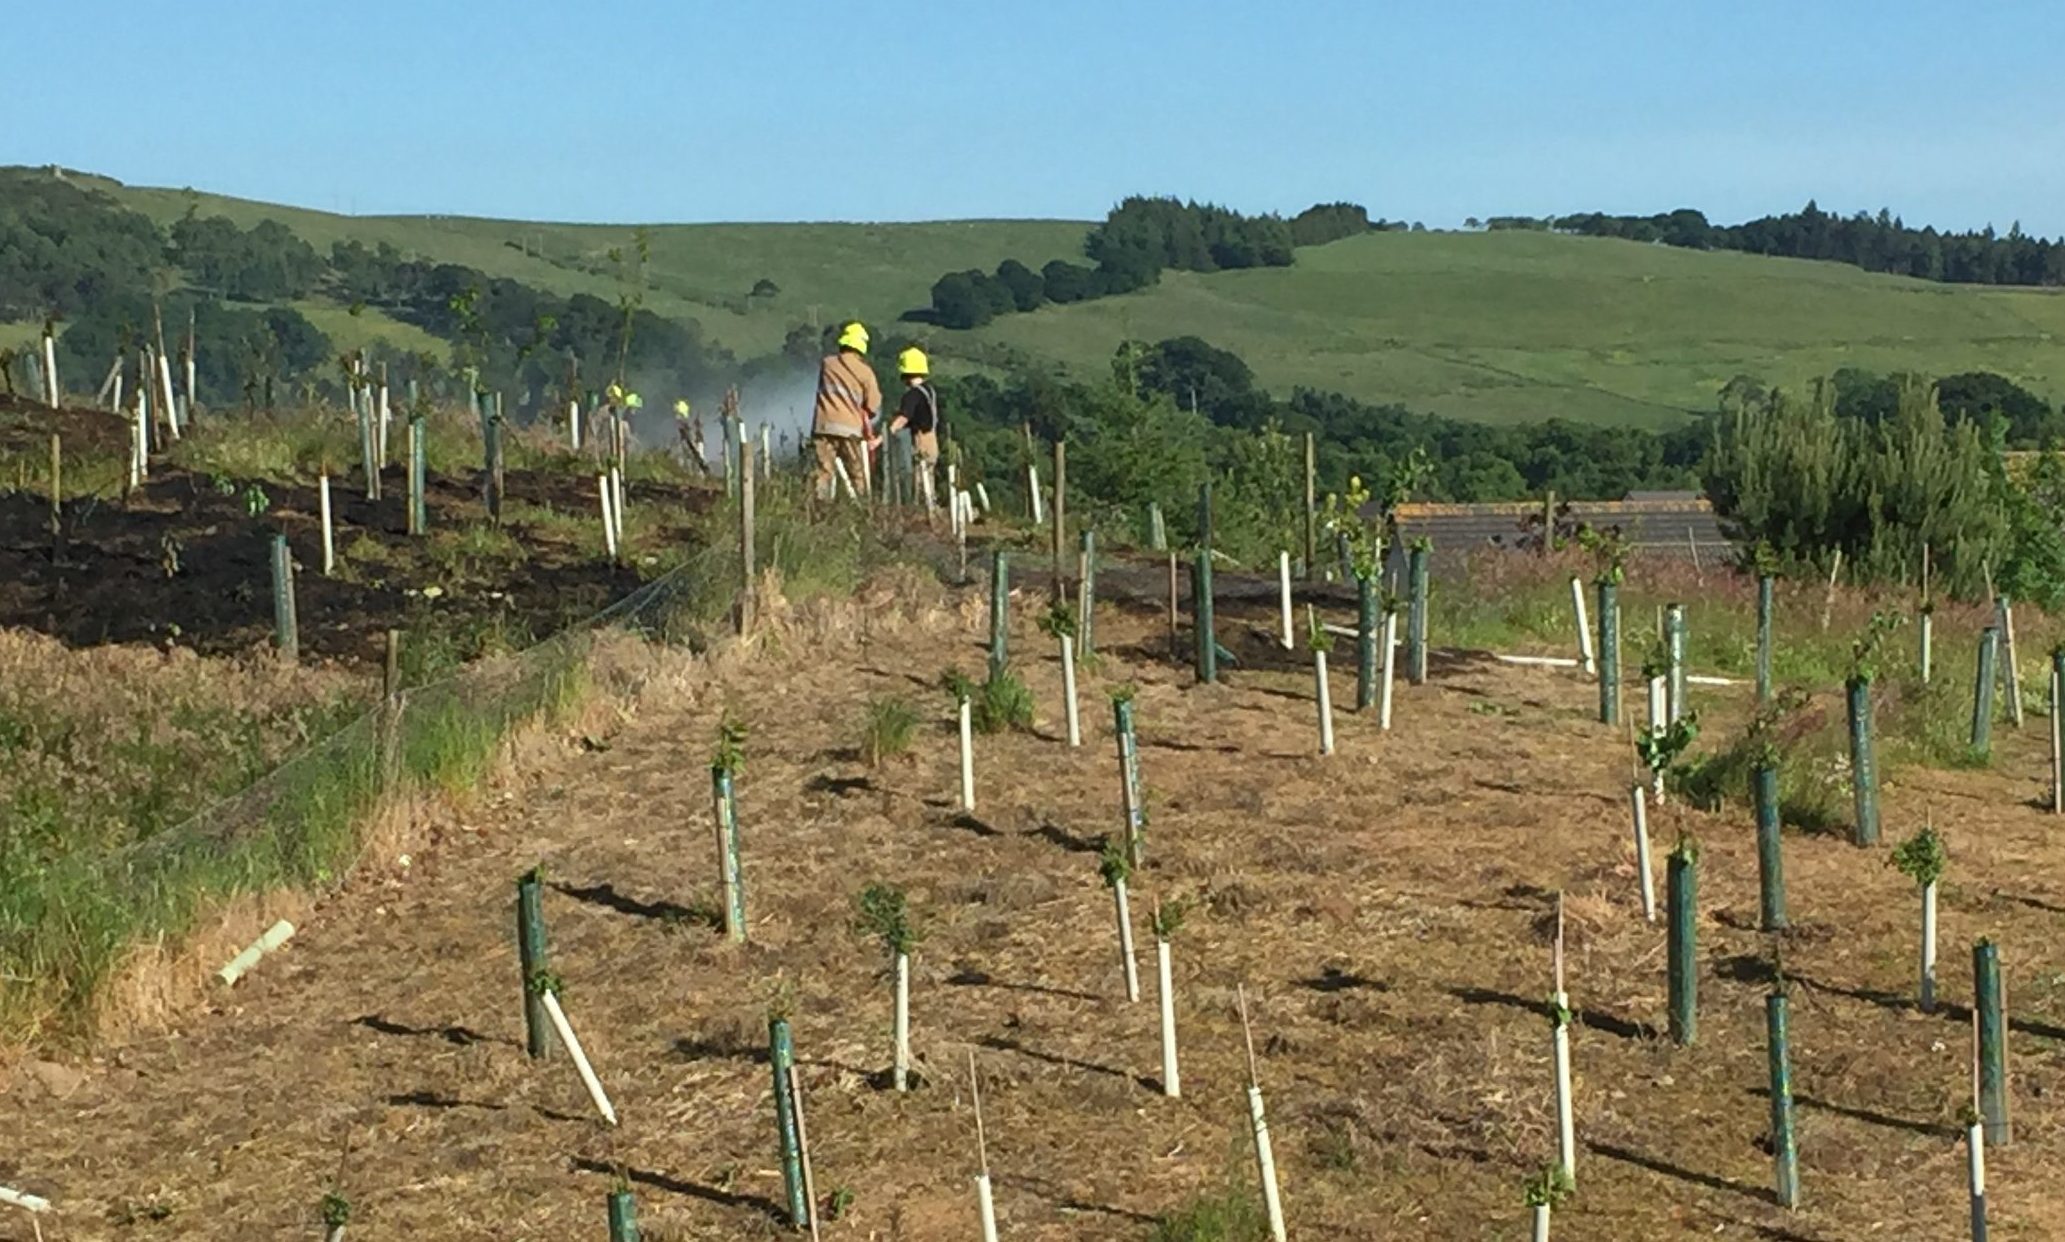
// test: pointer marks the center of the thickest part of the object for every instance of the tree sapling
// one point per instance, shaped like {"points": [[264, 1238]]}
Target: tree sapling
{"points": [[963, 691], [1059, 623], [882, 912], [1116, 868], [1546, 1191], [1167, 920], [1922, 858]]}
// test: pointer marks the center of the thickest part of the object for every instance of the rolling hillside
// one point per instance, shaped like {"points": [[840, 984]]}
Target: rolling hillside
{"points": [[1508, 326], [701, 271], [1491, 326]]}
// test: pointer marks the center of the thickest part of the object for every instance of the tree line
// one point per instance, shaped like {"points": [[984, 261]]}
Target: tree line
{"points": [[1138, 240], [1876, 243]]}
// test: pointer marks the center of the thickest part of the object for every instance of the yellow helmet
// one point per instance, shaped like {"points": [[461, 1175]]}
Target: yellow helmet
{"points": [[912, 361], [616, 392], [632, 401], [854, 336], [681, 408]]}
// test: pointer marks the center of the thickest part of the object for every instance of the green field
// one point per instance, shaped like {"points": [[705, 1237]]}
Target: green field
{"points": [[1493, 326], [701, 271], [1512, 326]]}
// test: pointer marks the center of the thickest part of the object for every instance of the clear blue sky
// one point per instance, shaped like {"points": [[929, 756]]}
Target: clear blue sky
{"points": [[1949, 113]]}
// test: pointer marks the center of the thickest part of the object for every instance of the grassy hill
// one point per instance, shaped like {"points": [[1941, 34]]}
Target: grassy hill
{"points": [[1509, 326], [702, 271], [1493, 326]]}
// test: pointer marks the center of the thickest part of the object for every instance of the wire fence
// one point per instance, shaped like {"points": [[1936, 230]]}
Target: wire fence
{"points": [[65, 930]]}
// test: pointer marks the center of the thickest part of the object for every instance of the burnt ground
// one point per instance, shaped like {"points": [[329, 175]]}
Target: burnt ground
{"points": [[1386, 909], [110, 576]]}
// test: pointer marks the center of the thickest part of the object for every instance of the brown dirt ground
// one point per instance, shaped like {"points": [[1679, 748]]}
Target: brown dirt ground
{"points": [[106, 580], [1385, 908]]}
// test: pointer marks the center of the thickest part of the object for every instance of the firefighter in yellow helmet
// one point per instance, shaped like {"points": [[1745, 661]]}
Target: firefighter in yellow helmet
{"points": [[843, 427], [919, 412], [689, 426]]}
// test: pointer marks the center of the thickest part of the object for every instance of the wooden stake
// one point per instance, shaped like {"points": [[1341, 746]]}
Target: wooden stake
{"points": [[1390, 671], [1828, 601], [573, 1048], [967, 757], [1283, 580], [1068, 690], [984, 1202], [1172, 1082], [803, 1148], [748, 604], [1126, 958], [1265, 1156], [1584, 628], [57, 486], [329, 530], [1326, 703]]}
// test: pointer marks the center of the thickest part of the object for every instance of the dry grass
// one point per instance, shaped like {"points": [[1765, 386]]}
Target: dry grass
{"points": [[1386, 909]]}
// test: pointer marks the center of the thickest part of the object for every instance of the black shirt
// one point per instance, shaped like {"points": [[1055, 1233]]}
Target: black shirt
{"points": [[919, 408]]}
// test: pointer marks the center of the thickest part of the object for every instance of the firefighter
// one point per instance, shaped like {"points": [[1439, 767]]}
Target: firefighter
{"points": [[843, 427], [689, 426], [919, 411]]}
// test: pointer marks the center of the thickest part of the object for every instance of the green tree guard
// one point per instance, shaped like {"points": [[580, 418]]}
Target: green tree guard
{"points": [[1683, 947], [1764, 586], [1129, 780], [623, 1217], [1201, 610], [1982, 692], [419, 451], [724, 798], [491, 450], [1770, 858], [1365, 643], [1674, 654], [532, 956], [1785, 1155], [1086, 615], [1864, 770], [1157, 531], [999, 613], [1416, 614], [781, 1054], [1609, 653], [286, 629], [1993, 1029]]}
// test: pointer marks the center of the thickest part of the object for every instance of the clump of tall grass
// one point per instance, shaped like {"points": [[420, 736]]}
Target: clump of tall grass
{"points": [[1230, 1214], [1002, 702], [887, 730]]}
